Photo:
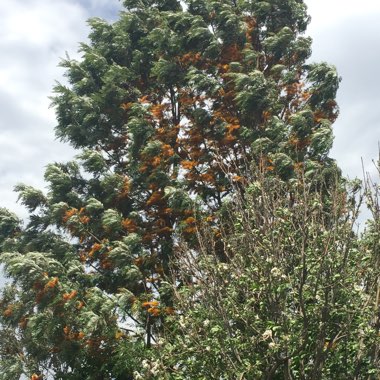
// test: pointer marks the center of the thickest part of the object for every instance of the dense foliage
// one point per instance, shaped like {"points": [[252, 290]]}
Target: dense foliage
{"points": [[297, 299], [177, 109]]}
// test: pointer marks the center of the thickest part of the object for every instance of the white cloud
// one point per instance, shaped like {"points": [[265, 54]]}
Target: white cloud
{"points": [[347, 34], [329, 12], [34, 35]]}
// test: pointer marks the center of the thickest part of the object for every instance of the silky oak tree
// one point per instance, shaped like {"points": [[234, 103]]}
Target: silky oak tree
{"points": [[169, 108]]}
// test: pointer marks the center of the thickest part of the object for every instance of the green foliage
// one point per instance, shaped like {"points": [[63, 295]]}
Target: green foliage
{"points": [[295, 298], [174, 109]]}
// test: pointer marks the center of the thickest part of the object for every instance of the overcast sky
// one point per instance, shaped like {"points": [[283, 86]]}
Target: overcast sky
{"points": [[35, 34]]}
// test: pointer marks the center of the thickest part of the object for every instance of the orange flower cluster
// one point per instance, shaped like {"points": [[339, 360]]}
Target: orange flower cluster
{"points": [[95, 248], [154, 198], [294, 88], [69, 296], [157, 111], [69, 213], [144, 99], [299, 143], [105, 263], [8, 311], [152, 307], [188, 164], [190, 58], [231, 53], [125, 189], [23, 322], [52, 283], [319, 115], [167, 150], [139, 261], [189, 220], [74, 211], [251, 25], [84, 219], [207, 177], [126, 106], [72, 335], [129, 225]]}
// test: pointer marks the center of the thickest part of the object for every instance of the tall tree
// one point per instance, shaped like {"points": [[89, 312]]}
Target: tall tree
{"points": [[170, 106]]}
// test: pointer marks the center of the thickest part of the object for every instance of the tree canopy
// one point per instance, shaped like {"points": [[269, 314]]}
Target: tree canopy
{"points": [[176, 109]]}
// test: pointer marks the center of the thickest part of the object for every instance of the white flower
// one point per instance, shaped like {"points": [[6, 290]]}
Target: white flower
{"points": [[267, 335], [137, 375], [182, 321], [275, 272]]}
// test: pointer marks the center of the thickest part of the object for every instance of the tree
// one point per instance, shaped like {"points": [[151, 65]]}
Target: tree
{"points": [[297, 299], [169, 108]]}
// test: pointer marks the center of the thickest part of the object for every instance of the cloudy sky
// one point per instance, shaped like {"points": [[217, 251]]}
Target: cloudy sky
{"points": [[35, 34]]}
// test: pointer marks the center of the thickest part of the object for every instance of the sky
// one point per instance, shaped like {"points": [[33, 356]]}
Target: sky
{"points": [[36, 34]]}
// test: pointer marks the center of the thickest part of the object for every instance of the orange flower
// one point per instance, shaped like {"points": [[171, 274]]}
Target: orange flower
{"points": [[190, 220], [188, 164], [228, 139], [266, 115], [144, 99], [84, 219], [169, 310], [23, 322], [125, 189], [129, 225], [167, 150], [164, 231], [69, 213], [8, 311], [154, 311], [52, 283], [154, 198], [190, 58], [155, 161], [150, 304], [126, 106], [138, 261], [318, 116], [105, 264], [95, 248], [232, 127], [190, 230], [237, 178], [157, 110], [207, 177], [69, 296]]}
